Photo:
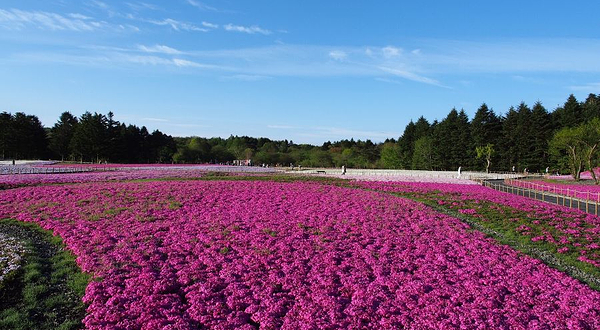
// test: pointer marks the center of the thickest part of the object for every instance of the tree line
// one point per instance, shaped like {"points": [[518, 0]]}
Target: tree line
{"points": [[90, 138], [531, 138]]}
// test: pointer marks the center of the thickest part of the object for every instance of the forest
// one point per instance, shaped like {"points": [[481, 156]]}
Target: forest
{"points": [[527, 138]]}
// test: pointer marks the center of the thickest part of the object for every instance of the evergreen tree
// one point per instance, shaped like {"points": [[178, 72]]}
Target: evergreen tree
{"points": [[591, 107], [406, 145], [90, 137], [486, 127], [6, 135], [452, 141], [569, 115], [29, 139], [524, 137], [61, 135], [509, 142], [540, 133]]}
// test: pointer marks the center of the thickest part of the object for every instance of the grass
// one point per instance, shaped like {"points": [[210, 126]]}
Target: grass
{"points": [[47, 291]]}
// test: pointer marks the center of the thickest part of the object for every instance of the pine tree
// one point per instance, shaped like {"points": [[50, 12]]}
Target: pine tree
{"points": [[541, 132], [62, 133], [591, 107], [452, 141], [6, 135], [569, 115], [509, 154], [486, 127]]}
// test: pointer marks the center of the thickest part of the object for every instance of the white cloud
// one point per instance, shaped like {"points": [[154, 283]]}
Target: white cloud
{"points": [[390, 52], [587, 88], [19, 19], [281, 127], [389, 81], [178, 26], [246, 29], [185, 63], [79, 16], [137, 6], [416, 51], [245, 77], [15, 19], [201, 5], [338, 55], [98, 4], [210, 25], [161, 120], [411, 76], [158, 49]]}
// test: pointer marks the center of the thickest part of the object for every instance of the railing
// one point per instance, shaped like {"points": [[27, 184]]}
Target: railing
{"points": [[587, 205], [24, 169], [573, 193], [466, 175]]}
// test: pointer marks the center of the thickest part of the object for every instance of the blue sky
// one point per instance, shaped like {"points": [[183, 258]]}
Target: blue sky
{"points": [[309, 71]]}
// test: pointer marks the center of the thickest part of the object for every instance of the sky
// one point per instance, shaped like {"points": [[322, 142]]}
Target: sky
{"points": [[309, 71]]}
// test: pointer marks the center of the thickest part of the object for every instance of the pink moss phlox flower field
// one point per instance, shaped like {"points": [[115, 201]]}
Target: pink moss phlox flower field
{"points": [[127, 172], [587, 175], [570, 228], [17, 180], [235, 255]]}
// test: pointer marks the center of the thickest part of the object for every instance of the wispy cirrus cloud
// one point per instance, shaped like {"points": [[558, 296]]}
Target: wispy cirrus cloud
{"points": [[19, 19], [16, 19], [97, 4], [139, 6], [247, 29], [391, 52], [209, 25], [338, 55], [178, 25], [245, 77], [439, 63], [160, 120], [79, 16], [587, 88], [201, 5], [282, 127], [411, 75], [159, 49]]}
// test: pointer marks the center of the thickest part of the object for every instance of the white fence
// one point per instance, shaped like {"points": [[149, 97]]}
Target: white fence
{"points": [[476, 176]]}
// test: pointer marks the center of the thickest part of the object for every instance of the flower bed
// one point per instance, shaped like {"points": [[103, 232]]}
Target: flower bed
{"points": [[563, 230], [237, 255]]}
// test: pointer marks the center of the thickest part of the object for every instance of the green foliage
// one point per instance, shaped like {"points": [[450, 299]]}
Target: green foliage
{"points": [[22, 137], [520, 138], [424, 154], [61, 135], [485, 152], [569, 115], [452, 141], [390, 156], [568, 149]]}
